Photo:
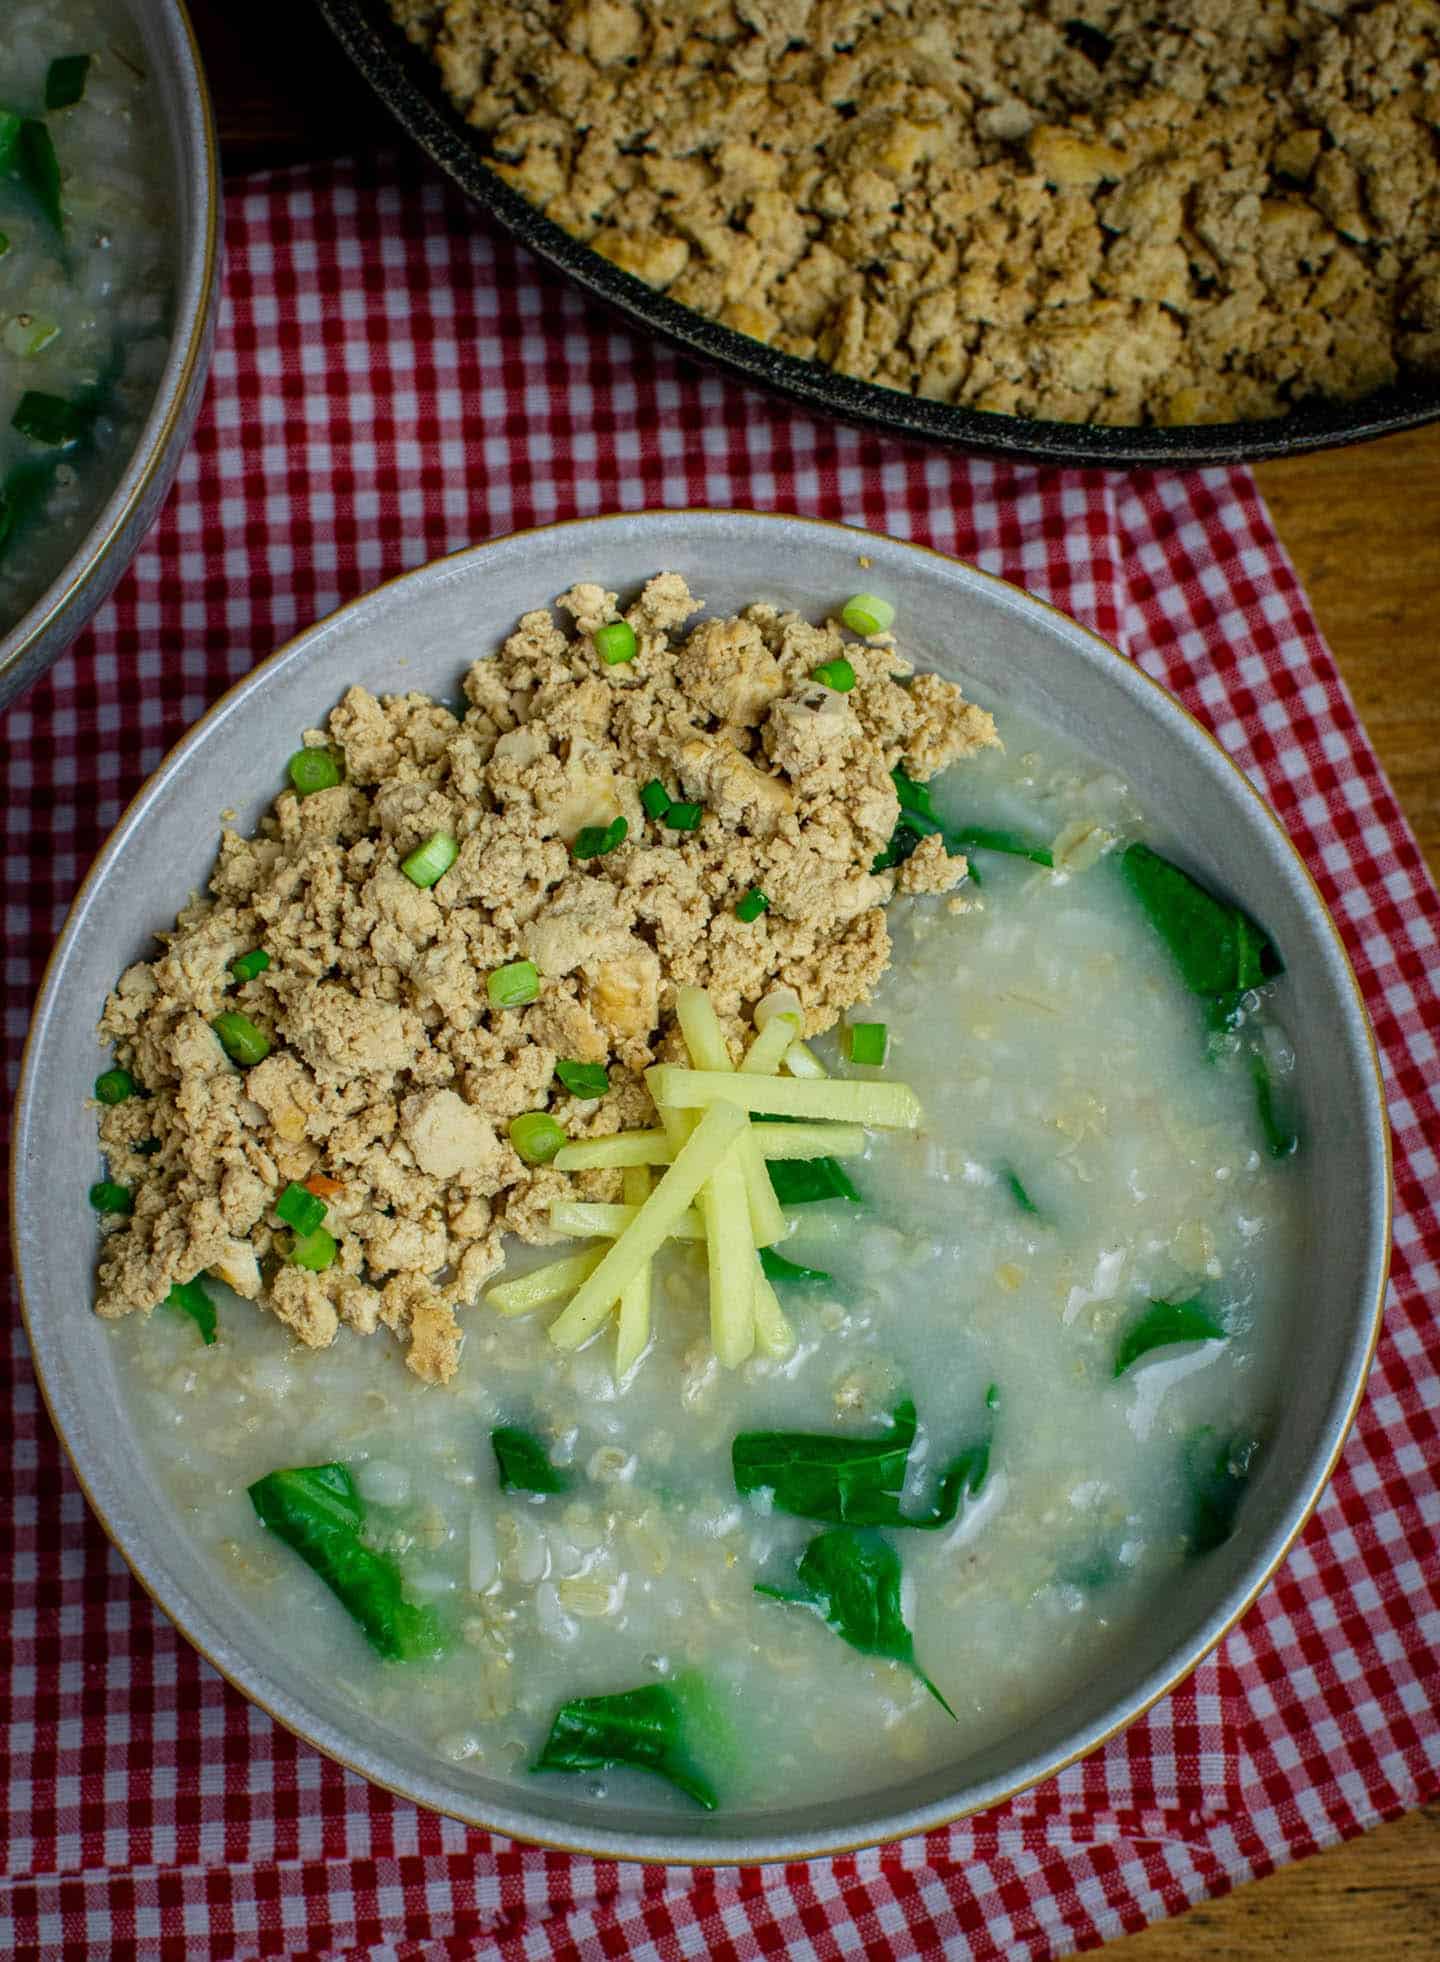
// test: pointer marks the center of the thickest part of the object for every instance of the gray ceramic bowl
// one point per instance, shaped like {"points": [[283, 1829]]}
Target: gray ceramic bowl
{"points": [[419, 632], [62, 610]]}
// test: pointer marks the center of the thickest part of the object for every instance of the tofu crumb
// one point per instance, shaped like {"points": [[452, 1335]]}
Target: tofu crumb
{"points": [[391, 1074]]}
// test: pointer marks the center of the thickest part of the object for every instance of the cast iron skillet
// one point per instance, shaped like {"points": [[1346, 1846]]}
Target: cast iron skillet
{"points": [[409, 85]]}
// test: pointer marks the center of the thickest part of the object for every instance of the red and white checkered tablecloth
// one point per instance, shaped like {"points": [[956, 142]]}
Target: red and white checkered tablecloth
{"points": [[394, 379]]}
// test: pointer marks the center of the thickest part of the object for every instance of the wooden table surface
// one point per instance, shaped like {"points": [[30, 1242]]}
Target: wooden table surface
{"points": [[1363, 528]]}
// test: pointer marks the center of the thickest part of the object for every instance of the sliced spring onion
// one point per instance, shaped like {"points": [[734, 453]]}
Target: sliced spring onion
{"points": [[431, 861], [536, 1136], [513, 985], [838, 675], [595, 840], [65, 80], [583, 1079], [245, 967], [867, 613], [240, 1039], [28, 334], [50, 419], [300, 1208], [655, 797], [315, 1250], [752, 905], [190, 1298], [114, 1086], [684, 817], [313, 769], [616, 643], [107, 1197], [868, 1042]]}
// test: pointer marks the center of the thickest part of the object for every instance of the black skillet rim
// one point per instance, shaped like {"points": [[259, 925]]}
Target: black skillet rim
{"points": [[409, 86]]}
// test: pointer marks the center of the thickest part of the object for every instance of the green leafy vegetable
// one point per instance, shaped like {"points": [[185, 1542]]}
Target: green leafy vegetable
{"points": [[777, 1268], [10, 127], [1281, 1140], [1163, 1324], [316, 1510], [34, 162], [1218, 949], [1017, 1190], [583, 1079], [23, 493], [801, 1181], [852, 1581], [1217, 1476], [51, 419], [853, 1481], [523, 1462], [644, 1729], [65, 80], [980, 838], [190, 1298]]}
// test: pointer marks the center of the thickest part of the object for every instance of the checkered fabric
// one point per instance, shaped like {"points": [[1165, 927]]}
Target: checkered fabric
{"points": [[395, 379]]}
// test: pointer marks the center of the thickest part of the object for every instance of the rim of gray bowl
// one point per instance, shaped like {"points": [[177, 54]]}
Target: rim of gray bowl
{"points": [[1370, 1164], [90, 574]]}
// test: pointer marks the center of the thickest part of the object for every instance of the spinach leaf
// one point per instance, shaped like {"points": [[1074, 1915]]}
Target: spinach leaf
{"points": [[316, 1510], [65, 80], [10, 127], [1281, 1140], [642, 1728], [1163, 1324], [523, 1462], [853, 1481], [190, 1298], [23, 494], [1217, 1478], [981, 838], [51, 419], [777, 1268], [798, 1181], [1219, 950], [852, 1581], [34, 162], [915, 799], [1017, 1191]]}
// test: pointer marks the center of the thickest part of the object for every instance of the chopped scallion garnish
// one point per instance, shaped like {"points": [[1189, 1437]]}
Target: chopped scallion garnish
{"points": [[584, 1079], [868, 1042], [752, 905], [240, 1039], [313, 769], [65, 80], [114, 1086], [431, 861], [838, 675], [513, 985], [616, 643], [536, 1136], [655, 797], [595, 840], [245, 967], [684, 817], [107, 1197], [300, 1208], [867, 614], [315, 1250]]}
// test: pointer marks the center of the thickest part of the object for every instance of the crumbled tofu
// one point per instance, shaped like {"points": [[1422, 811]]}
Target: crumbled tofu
{"points": [[391, 1072], [1136, 211]]}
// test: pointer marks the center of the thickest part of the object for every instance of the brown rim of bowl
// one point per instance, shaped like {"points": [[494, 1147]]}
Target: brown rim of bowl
{"points": [[935, 1819], [155, 442], [408, 84]]}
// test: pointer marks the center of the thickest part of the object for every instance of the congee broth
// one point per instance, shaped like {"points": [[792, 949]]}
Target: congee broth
{"points": [[1001, 1376], [85, 277]]}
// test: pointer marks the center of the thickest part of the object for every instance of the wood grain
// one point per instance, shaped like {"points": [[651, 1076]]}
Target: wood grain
{"points": [[1363, 528]]}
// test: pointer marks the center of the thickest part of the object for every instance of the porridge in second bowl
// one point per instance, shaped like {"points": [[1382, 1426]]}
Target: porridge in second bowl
{"points": [[832, 1182]]}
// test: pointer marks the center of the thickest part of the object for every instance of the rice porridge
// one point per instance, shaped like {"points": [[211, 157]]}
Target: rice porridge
{"points": [[1059, 1300]]}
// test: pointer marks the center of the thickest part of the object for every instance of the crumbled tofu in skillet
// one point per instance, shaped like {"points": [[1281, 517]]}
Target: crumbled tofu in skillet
{"points": [[391, 1075], [1173, 211]]}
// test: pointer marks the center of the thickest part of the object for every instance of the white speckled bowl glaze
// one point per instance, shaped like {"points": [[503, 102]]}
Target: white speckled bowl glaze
{"points": [[42, 634], [420, 632]]}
